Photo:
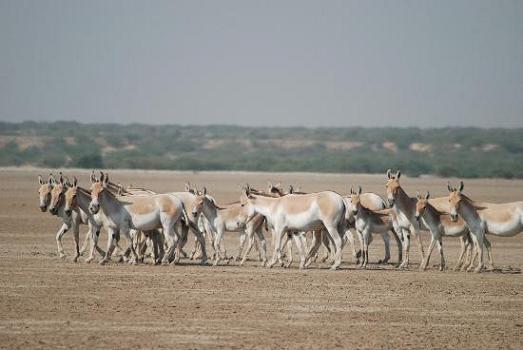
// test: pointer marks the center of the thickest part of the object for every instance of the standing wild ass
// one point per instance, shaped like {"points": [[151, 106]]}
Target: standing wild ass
{"points": [[367, 222], [404, 214], [503, 220], [53, 191], [440, 224], [233, 218], [144, 212], [373, 202], [304, 212]]}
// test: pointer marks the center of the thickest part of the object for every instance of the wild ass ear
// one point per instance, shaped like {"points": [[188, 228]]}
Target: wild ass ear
{"points": [[40, 180], [388, 173], [93, 177], [204, 190], [75, 181], [351, 190], [449, 187], [427, 195], [106, 180], [359, 190], [418, 195], [188, 187], [51, 180], [461, 185], [61, 179], [291, 189], [398, 175]]}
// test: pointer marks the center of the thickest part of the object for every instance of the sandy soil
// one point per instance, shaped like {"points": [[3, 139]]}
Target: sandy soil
{"points": [[47, 303]]}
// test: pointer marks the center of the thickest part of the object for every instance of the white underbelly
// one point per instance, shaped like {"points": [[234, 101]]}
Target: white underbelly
{"points": [[145, 222], [454, 231], [303, 222], [505, 229]]}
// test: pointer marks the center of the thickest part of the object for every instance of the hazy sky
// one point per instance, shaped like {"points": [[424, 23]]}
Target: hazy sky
{"points": [[272, 63]]}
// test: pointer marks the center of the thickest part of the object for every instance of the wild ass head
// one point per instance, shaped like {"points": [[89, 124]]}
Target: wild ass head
{"points": [[57, 195], [393, 187], [355, 200], [455, 200], [247, 201], [44, 191], [421, 204], [98, 186], [70, 197], [275, 189], [201, 198]]}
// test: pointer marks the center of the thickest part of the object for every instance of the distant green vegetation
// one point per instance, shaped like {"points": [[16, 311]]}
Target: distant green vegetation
{"points": [[461, 152]]}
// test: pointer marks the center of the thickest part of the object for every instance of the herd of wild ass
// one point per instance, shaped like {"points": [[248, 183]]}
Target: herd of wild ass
{"points": [[157, 225]]}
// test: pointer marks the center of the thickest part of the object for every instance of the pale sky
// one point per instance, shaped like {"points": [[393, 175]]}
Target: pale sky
{"points": [[269, 63]]}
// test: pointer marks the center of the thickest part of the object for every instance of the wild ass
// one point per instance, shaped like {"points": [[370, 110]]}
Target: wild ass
{"points": [[367, 222], [78, 198], [370, 201], [306, 212], [298, 237], [503, 220], [232, 218], [147, 212], [404, 214], [53, 191], [439, 225]]}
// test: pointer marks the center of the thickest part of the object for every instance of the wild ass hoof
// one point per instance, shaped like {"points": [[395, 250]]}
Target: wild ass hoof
{"points": [[103, 261], [75, 259]]}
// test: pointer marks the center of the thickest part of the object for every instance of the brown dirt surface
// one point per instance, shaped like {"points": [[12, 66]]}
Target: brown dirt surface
{"points": [[48, 303]]}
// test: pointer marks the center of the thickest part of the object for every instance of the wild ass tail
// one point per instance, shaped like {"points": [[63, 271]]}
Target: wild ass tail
{"points": [[185, 216]]}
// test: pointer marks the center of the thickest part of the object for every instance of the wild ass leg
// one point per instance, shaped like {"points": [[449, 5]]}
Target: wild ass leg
{"points": [[94, 230], [61, 232], [398, 245], [464, 241], [406, 245], [315, 245], [336, 237], [243, 237], [415, 231], [200, 239], [441, 256], [217, 246], [278, 238], [350, 238], [284, 244], [327, 244], [262, 249], [301, 249], [250, 241], [386, 241], [489, 251], [181, 238], [479, 238], [76, 238], [85, 243], [111, 238], [425, 261]]}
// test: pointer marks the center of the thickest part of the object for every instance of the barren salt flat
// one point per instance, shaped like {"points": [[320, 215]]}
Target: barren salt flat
{"points": [[47, 303]]}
